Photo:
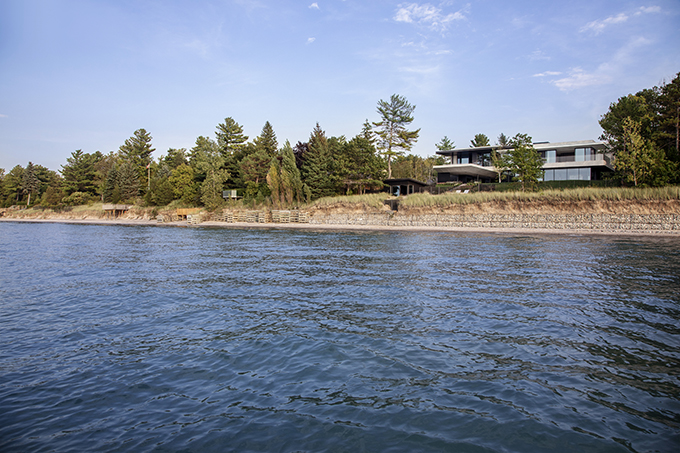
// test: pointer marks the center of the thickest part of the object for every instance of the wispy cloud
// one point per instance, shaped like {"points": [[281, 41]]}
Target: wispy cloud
{"points": [[3, 116], [538, 55], [606, 72], [314, 6], [598, 26], [427, 15], [547, 74], [578, 78], [310, 40]]}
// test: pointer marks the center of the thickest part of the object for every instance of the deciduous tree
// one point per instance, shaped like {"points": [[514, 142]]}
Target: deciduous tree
{"points": [[524, 162], [209, 160], [639, 161]]}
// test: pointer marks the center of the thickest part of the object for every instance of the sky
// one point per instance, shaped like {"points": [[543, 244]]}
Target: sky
{"points": [[79, 74]]}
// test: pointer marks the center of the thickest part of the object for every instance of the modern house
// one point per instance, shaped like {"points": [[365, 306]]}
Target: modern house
{"points": [[584, 160]]}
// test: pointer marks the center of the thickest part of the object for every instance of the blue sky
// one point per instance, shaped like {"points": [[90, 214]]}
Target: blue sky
{"points": [[78, 74]]}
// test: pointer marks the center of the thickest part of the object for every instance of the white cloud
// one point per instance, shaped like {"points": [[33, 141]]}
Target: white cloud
{"points": [[579, 79], [648, 9], [608, 71], [598, 26], [310, 40], [3, 116], [547, 73], [314, 6], [427, 15]]}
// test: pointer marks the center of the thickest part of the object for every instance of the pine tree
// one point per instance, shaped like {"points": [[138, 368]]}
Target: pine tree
{"points": [[445, 144], [394, 139], [267, 140], [479, 141], [79, 173], [137, 150], [230, 136], [30, 184]]}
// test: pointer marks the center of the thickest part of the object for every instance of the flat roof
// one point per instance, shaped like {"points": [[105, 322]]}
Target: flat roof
{"points": [[538, 146]]}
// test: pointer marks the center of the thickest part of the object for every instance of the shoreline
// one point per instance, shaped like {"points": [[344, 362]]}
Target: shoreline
{"points": [[354, 227]]}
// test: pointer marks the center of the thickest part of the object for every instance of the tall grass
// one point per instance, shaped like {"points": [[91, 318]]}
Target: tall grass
{"points": [[577, 194], [374, 200]]}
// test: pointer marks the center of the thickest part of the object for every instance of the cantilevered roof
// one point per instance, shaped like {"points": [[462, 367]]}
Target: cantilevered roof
{"points": [[467, 170]]}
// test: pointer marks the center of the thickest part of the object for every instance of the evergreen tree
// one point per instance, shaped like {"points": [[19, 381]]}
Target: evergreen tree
{"points": [[503, 141], [367, 132], [479, 141], [524, 161], [394, 139], [161, 192], [445, 144], [111, 190], [79, 173], [137, 150], [128, 181], [230, 136], [175, 157], [267, 140], [364, 167], [316, 171], [30, 185]]}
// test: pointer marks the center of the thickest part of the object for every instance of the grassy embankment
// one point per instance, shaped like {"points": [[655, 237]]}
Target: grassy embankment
{"points": [[577, 200], [664, 200]]}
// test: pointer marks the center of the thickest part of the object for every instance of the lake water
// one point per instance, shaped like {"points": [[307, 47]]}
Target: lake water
{"points": [[119, 338]]}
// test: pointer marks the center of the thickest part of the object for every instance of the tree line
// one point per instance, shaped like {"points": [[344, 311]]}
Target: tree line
{"points": [[642, 131], [260, 168]]}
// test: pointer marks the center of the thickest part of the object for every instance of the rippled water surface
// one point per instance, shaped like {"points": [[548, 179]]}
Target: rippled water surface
{"points": [[117, 338]]}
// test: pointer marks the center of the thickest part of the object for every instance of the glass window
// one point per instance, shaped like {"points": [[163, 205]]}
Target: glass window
{"points": [[550, 156], [589, 154], [572, 173], [580, 154], [584, 174], [560, 174], [465, 160], [549, 175]]}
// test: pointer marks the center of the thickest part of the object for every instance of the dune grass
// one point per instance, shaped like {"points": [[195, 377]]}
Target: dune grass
{"points": [[374, 200], [577, 194]]}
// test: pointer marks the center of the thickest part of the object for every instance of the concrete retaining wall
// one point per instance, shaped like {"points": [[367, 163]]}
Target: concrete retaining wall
{"points": [[669, 223]]}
